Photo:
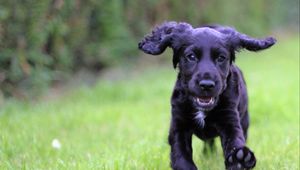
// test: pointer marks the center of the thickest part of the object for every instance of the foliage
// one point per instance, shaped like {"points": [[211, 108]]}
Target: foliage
{"points": [[123, 125], [42, 41]]}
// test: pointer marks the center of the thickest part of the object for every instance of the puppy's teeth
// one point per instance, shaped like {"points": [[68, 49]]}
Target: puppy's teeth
{"points": [[212, 100]]}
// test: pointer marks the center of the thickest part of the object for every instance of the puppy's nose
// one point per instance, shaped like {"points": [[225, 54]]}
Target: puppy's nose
{"points": [[206, 84]]}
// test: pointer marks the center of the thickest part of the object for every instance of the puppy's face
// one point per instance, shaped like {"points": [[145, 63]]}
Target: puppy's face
{"points": [[203, 54], [204, 62]]}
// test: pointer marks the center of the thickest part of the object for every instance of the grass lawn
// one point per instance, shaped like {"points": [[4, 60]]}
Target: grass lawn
{"points": [[123, 124]]}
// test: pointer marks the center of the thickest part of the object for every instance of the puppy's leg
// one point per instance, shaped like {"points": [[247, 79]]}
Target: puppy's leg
{"points": [[245, 124], [180, 140], [237, 155]]}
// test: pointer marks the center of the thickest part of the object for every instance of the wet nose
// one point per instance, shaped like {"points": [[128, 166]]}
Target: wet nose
{"points": [[206, 84]]}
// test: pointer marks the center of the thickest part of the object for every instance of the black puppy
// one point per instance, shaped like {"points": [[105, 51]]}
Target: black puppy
{"points": [[210, 96]]}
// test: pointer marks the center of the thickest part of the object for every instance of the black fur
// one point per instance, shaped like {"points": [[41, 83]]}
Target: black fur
{"points": [[210, 96]]}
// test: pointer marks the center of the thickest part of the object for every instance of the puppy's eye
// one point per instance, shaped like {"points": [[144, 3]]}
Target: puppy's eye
{"points": [[191, 57], [221, 58]]}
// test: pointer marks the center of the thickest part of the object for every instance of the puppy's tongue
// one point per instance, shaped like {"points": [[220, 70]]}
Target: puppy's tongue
{"points": [[204, 99]]}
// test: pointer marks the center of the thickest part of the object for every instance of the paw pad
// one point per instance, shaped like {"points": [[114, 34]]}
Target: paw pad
{"points": [[240, 159]]}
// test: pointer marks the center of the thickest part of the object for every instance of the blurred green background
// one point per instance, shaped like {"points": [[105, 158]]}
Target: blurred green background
{"points": [[46, 41], [75, 92]]}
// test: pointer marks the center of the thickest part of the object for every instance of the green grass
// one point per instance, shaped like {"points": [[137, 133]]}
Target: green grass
{"points": [[123, 124]]}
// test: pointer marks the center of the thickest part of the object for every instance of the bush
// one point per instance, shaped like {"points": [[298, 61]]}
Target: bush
{"points": [[42, 41], [45, 40]]}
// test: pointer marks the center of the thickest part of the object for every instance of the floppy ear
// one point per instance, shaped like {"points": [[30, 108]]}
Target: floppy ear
{"points": [[166, 35], [253, 44], [240, 40]]}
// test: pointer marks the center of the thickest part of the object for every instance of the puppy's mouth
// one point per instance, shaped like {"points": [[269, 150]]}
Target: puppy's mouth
{"points": [[205, 103]]}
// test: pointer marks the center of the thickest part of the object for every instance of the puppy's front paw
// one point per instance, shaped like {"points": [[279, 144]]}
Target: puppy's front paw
{"points": [[183, 164], [240, 159]]}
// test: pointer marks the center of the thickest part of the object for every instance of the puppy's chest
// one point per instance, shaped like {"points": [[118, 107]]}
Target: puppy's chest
{"points": [[199, 119], [204, 127], [202, 120]]}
